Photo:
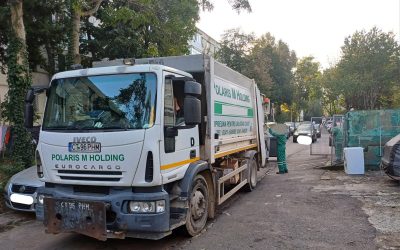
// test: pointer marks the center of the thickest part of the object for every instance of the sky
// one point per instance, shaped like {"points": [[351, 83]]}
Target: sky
{"points": [[310, 27]]}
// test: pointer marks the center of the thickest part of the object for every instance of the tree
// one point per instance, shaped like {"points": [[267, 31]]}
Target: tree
{"points": [[269, 62], [141, 29], [369, 69], [235, 49], [308, 78], [19, 81], [46, 23], [5, 20], [239, 53], [283, 60], [237, 5], [79, 9], [45, 26], [258, 68], [308, 90]]}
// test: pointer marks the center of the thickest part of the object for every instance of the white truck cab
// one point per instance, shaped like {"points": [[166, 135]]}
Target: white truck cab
{"points": [[138, 150]]}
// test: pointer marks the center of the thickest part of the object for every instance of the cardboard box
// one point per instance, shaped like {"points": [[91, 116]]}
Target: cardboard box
{"points": [[229, 166]]}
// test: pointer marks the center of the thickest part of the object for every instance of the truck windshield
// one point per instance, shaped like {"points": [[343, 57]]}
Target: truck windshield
{"points": [[123, 101]]}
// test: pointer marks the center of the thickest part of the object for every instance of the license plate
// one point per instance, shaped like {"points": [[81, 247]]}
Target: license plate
{"points": [[84, 217], [84, 147]]}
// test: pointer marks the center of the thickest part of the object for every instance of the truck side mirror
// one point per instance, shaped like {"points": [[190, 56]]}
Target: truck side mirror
{"points": [[30, 96], [28, 111], [28, 115], [192, 104]]}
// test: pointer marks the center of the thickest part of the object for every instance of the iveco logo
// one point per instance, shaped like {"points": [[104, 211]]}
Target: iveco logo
{"points": [[22, 189], [85, 139]]}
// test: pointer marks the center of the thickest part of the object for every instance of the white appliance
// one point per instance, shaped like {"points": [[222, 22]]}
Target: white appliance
{"points": [[354, 160]]}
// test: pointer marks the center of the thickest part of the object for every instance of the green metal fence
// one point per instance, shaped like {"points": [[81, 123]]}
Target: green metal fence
{"points": [[371, 129]]}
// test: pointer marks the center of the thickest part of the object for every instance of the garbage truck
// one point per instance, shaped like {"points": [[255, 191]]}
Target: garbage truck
{"points": [[137, 148]]}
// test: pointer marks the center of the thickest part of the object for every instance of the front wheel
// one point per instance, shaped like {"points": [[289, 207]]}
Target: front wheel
{"points": [[197, 214]]}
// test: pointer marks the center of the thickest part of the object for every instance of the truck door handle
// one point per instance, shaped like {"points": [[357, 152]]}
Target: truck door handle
{"points": [[192, 153]]}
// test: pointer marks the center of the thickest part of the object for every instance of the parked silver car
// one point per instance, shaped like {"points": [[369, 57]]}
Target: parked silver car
{"points": [[20, 191], [390, 162], [291, 126]]}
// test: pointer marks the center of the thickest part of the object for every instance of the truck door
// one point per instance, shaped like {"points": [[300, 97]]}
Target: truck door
{"points": [[180, 145]]}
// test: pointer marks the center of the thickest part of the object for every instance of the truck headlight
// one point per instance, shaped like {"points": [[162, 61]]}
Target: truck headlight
{"points": [[146, 206], [160, 206]]}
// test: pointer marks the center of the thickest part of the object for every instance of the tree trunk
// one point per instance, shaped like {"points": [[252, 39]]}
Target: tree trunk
{"points": [[76, 25], [19, 80], [17, 24], [77, 13], [51, 64]]}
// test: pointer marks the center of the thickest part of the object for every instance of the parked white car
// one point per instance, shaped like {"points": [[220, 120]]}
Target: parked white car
{"points": [[20, 191]]}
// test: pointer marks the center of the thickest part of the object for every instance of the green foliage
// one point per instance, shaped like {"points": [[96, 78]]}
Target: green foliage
{"points": [[45, 32], [4, 32], [312, 108], [8, 168], [332, 100], [369, 69], [237, 5], [282, 61], [141, 29], [235, 49], [308, 91], [19, 80], [267, 61]]}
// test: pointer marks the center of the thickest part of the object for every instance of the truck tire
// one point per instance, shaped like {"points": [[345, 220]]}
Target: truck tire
{"points": [[251, 174], [196, 217]]}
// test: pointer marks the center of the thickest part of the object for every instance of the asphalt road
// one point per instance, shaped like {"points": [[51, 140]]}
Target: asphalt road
{"points": [[283, 212]]}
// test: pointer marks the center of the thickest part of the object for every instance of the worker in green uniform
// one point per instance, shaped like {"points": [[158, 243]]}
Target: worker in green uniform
{"points": [[338, 143], [281, 141]]}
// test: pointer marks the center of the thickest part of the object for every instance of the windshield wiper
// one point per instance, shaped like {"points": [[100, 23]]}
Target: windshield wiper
{"points": [[61, 128]]}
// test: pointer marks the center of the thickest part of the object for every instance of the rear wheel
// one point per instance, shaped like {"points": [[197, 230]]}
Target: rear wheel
{"points": [[197, 214], [251, 174]]}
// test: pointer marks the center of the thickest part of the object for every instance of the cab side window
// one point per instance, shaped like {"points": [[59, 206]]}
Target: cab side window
{"points": [[179, 97], [169, 117], [169, 105]]}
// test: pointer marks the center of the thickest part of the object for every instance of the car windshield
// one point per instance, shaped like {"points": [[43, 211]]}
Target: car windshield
{"points": [[304, 127], [122, 101]]}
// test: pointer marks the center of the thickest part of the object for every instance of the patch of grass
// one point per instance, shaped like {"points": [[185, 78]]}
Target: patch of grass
{"points": [[7, 170]]}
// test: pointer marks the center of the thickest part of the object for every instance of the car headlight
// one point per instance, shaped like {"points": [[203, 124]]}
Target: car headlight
{"points": [[146, 206], [21, 198], [40, 199]]}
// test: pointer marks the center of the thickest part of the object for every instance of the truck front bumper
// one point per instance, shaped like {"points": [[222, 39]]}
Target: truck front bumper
{"points": [[117, 222]]}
